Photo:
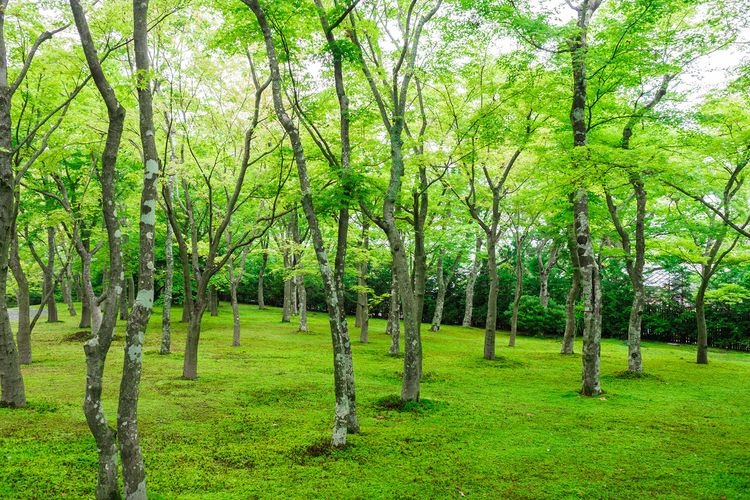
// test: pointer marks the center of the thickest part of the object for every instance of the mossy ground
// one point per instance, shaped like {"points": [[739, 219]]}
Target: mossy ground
{"points": [[256, 423]]}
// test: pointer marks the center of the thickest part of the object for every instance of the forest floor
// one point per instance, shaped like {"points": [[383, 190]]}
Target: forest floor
{"points": [[256, 423]]}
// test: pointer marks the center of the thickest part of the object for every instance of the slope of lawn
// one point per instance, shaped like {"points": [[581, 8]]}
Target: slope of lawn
{"points": [[256, 422]]}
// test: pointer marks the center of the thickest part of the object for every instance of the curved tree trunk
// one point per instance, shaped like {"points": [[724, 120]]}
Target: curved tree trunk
{"points": [[190, 364], [470, 283]]}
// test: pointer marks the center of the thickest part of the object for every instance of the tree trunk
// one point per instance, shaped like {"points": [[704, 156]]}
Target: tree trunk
{"points": [[440, 299], [302, 292], [568, 342], [67, 289], [345, 417], [49, 277], [516, 294], [190, 364], [363, 300], [187, 294], [123, 305], [592, 299], [490, 326], [261, 274], [166, 312], [213, 300], [470, 283], [85, 305], [700, 319], [235, 315], [286, 315], [131, 291], [394, 317], [23, 334]]}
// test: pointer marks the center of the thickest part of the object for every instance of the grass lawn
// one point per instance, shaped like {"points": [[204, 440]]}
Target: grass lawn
{"points": [[254, 422]]}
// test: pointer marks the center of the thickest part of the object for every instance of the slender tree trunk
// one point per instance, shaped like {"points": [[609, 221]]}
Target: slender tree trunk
{"points": [[67, 290], [363, 299], [261, 275], [440, 299], [235, 314], [190, 364], [85, 304], [187, 294], [700, 318], [516, 294], [568, 342], [49, 277], [394, 317], [123, 305], [23, 334], [286, 314], [345, 418], [490, 326], [302, 291], [213, 300], [470, 283], [589, 270], [97, 347], [166, 312]]}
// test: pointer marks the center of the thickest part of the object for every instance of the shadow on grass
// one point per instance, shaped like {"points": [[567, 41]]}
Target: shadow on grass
{"points": [[393, 402]]}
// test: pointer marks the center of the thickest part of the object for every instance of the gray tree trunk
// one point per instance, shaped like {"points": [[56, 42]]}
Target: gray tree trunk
{"points": [[66, 285], [589, 270], [440, 299], [544, 271], [286, 313], [345, 418], [518, 271], [394, 317], [490, 326], [261, 275], [568, 342], [97, 347], [83, 297], [166, 312], [213, 300], [471, 282], [49, 277], [123, 305], [700, 318], [363, 299], [302, 293], [235, 315], [23, 333]]}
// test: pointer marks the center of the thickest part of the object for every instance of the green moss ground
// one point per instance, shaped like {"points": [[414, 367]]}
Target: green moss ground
{"points": [[257, 421]]}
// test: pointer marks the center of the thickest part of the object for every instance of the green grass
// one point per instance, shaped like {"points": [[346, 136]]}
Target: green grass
{"points": [[256, 423]]}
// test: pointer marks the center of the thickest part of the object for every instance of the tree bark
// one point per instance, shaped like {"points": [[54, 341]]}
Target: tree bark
{"points": [[471, 282], [302, 294], [440, 298], [23, 333], [261, 275], [394, 317], [363, 300], [568, 342], [345, 418], [49, 277], [700, 318], [518, 271], [286, 313], [97, 347], [491, 320], [213, 300], [589, 271], [133, 470], [544, 271], [85, 305], [66, 285], [123, 304], [166, 312]]}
